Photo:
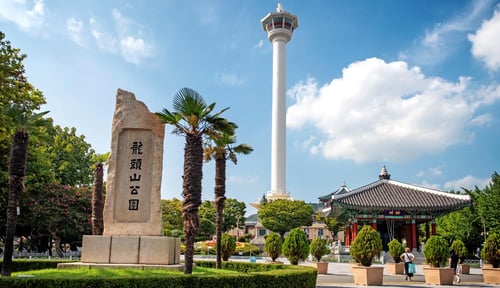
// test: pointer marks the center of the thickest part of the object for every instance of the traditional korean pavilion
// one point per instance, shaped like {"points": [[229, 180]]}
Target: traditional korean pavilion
{"points": [[393, 208]]}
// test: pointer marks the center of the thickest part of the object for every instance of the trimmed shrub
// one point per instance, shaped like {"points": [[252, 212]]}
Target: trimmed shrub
{"points": [[273, 245], [318, 248], [366, 246], [436, 251], [228, 246], [491, 250], [459, 247], [395, 249], [296, 246]]}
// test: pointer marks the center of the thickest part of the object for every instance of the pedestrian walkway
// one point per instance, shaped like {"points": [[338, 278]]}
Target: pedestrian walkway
{"points": [[339, 275]]}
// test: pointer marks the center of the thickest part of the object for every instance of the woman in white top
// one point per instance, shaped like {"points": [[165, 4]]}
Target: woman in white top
{"points": [[407, 258]]}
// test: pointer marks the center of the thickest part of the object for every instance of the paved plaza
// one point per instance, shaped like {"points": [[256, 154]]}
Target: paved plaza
{"points": [[339, 275]]}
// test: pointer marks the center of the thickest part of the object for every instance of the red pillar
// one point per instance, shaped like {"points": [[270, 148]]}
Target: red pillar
{"points": [[374, 224], [414, 233], [433, 228], [408, 236], [348, 235], [354, 229]]}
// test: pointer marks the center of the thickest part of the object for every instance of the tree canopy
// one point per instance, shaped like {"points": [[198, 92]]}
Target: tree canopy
{"points": [[283, 215]]}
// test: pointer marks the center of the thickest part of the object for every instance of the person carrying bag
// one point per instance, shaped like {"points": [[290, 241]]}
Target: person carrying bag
{"points": [[408, 258]]}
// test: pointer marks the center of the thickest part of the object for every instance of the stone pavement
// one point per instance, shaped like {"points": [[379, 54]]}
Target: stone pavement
{"points": [[339, 275]]}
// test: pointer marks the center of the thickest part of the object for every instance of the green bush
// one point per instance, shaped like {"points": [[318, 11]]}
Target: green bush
{"points": [[296, 246], [459, 247], [318, 248], [491, 250], [436, 251], [228, 246], [395, 249], [366, 246], [273, 245]]}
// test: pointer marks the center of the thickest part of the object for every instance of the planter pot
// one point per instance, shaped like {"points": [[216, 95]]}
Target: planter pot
{"points": [[491, 275], [368, 275], [395, 268], [465, 268], [322, 267], [439, 276]]}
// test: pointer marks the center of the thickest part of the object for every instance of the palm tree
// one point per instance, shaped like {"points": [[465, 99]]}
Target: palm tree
{"points": [[17, 169], [192, 119], [220, 152], [97, 193]]}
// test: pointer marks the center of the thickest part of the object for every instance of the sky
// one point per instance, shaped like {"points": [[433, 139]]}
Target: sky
{"points": [[413, 85]]}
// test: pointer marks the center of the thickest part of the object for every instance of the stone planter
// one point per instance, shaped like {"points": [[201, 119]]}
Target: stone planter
{"points": [[465, 268], [395, 268], [491, 275], [322, 267], [368, 276], [439, 276]]}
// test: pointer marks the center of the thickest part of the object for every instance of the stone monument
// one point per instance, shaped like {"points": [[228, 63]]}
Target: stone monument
{"points": [[132, 211]]}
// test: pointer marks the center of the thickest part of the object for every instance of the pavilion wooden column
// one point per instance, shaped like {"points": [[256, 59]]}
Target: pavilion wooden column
{"points": [[354, 229], [414, 234], [433, 228], [348, 235], [408, 235], [374, 224]]}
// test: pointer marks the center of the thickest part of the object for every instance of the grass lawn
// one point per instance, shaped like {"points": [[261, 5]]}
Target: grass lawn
{"points": [[115, 273]]}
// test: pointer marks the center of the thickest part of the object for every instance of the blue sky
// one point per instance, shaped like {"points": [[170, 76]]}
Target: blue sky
{"points": [[413, 85]]}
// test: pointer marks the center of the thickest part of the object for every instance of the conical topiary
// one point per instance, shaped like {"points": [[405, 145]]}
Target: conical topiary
{"points": [[436, 251], [366, 246], [296, 246], [395, 249], [491, 250], [318, 248]]}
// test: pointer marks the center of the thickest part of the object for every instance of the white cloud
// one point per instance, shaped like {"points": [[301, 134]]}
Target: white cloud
{"points": [[442, 40], [436, 171], [384, 111], [468, 182], [228, 79], [74, 28], [482, 119], [485, 44], [133, 49], [260, 44], [26, 14]]}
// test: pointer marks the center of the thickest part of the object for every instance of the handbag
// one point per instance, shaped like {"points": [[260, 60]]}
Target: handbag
{"points": [[411, 268]]}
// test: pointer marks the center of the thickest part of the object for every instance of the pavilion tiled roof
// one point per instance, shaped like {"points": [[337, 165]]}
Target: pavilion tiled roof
{"points": [[386, 194]]}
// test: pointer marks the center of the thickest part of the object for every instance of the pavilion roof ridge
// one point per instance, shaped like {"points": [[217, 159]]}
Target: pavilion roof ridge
{"points": [[429, 190]]}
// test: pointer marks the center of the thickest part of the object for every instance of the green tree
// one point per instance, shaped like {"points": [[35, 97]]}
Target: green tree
{"points": [[273, 245], [318, 249], [220, 149], [171, 212], [366, 246], [17, 170], [98, 193], [296, 246], [283, 215], [488, 204], [228, 246], [193, 119]]}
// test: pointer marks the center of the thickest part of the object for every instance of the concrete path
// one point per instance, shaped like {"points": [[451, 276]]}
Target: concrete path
{"points": [[339, 275]]}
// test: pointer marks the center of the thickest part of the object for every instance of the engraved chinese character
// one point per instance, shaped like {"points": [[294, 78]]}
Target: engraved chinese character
{"points": [[136, 148], [134, 189], [135, 177], [133, 204], [135, 164]]}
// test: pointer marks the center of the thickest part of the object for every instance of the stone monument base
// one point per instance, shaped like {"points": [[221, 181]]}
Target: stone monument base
{"points": [[127, 251]]}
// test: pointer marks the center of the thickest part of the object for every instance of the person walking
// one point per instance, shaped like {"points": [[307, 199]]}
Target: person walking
{"points": [[454, 259], [408, 258]]}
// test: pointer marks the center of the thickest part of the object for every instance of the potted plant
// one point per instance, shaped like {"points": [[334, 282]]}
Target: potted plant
{"points": [[318, 249], [459, 247], [228, 246], [273, 246], [364, 249], [436, 253], [296, 246], [395, 250], [491, 253]]}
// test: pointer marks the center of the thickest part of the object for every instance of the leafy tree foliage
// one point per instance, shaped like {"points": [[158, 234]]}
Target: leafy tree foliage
{"points": [[283, 215], [488, 204], [171, 213], [273, 245], [318, 248], [366, 246], [296, 246], [228, 246], [436, 251]]}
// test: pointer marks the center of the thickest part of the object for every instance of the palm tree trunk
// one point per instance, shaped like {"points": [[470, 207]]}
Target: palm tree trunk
{"points": [[17, 170], [220, 191], [191, 190], [97, 205]]}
